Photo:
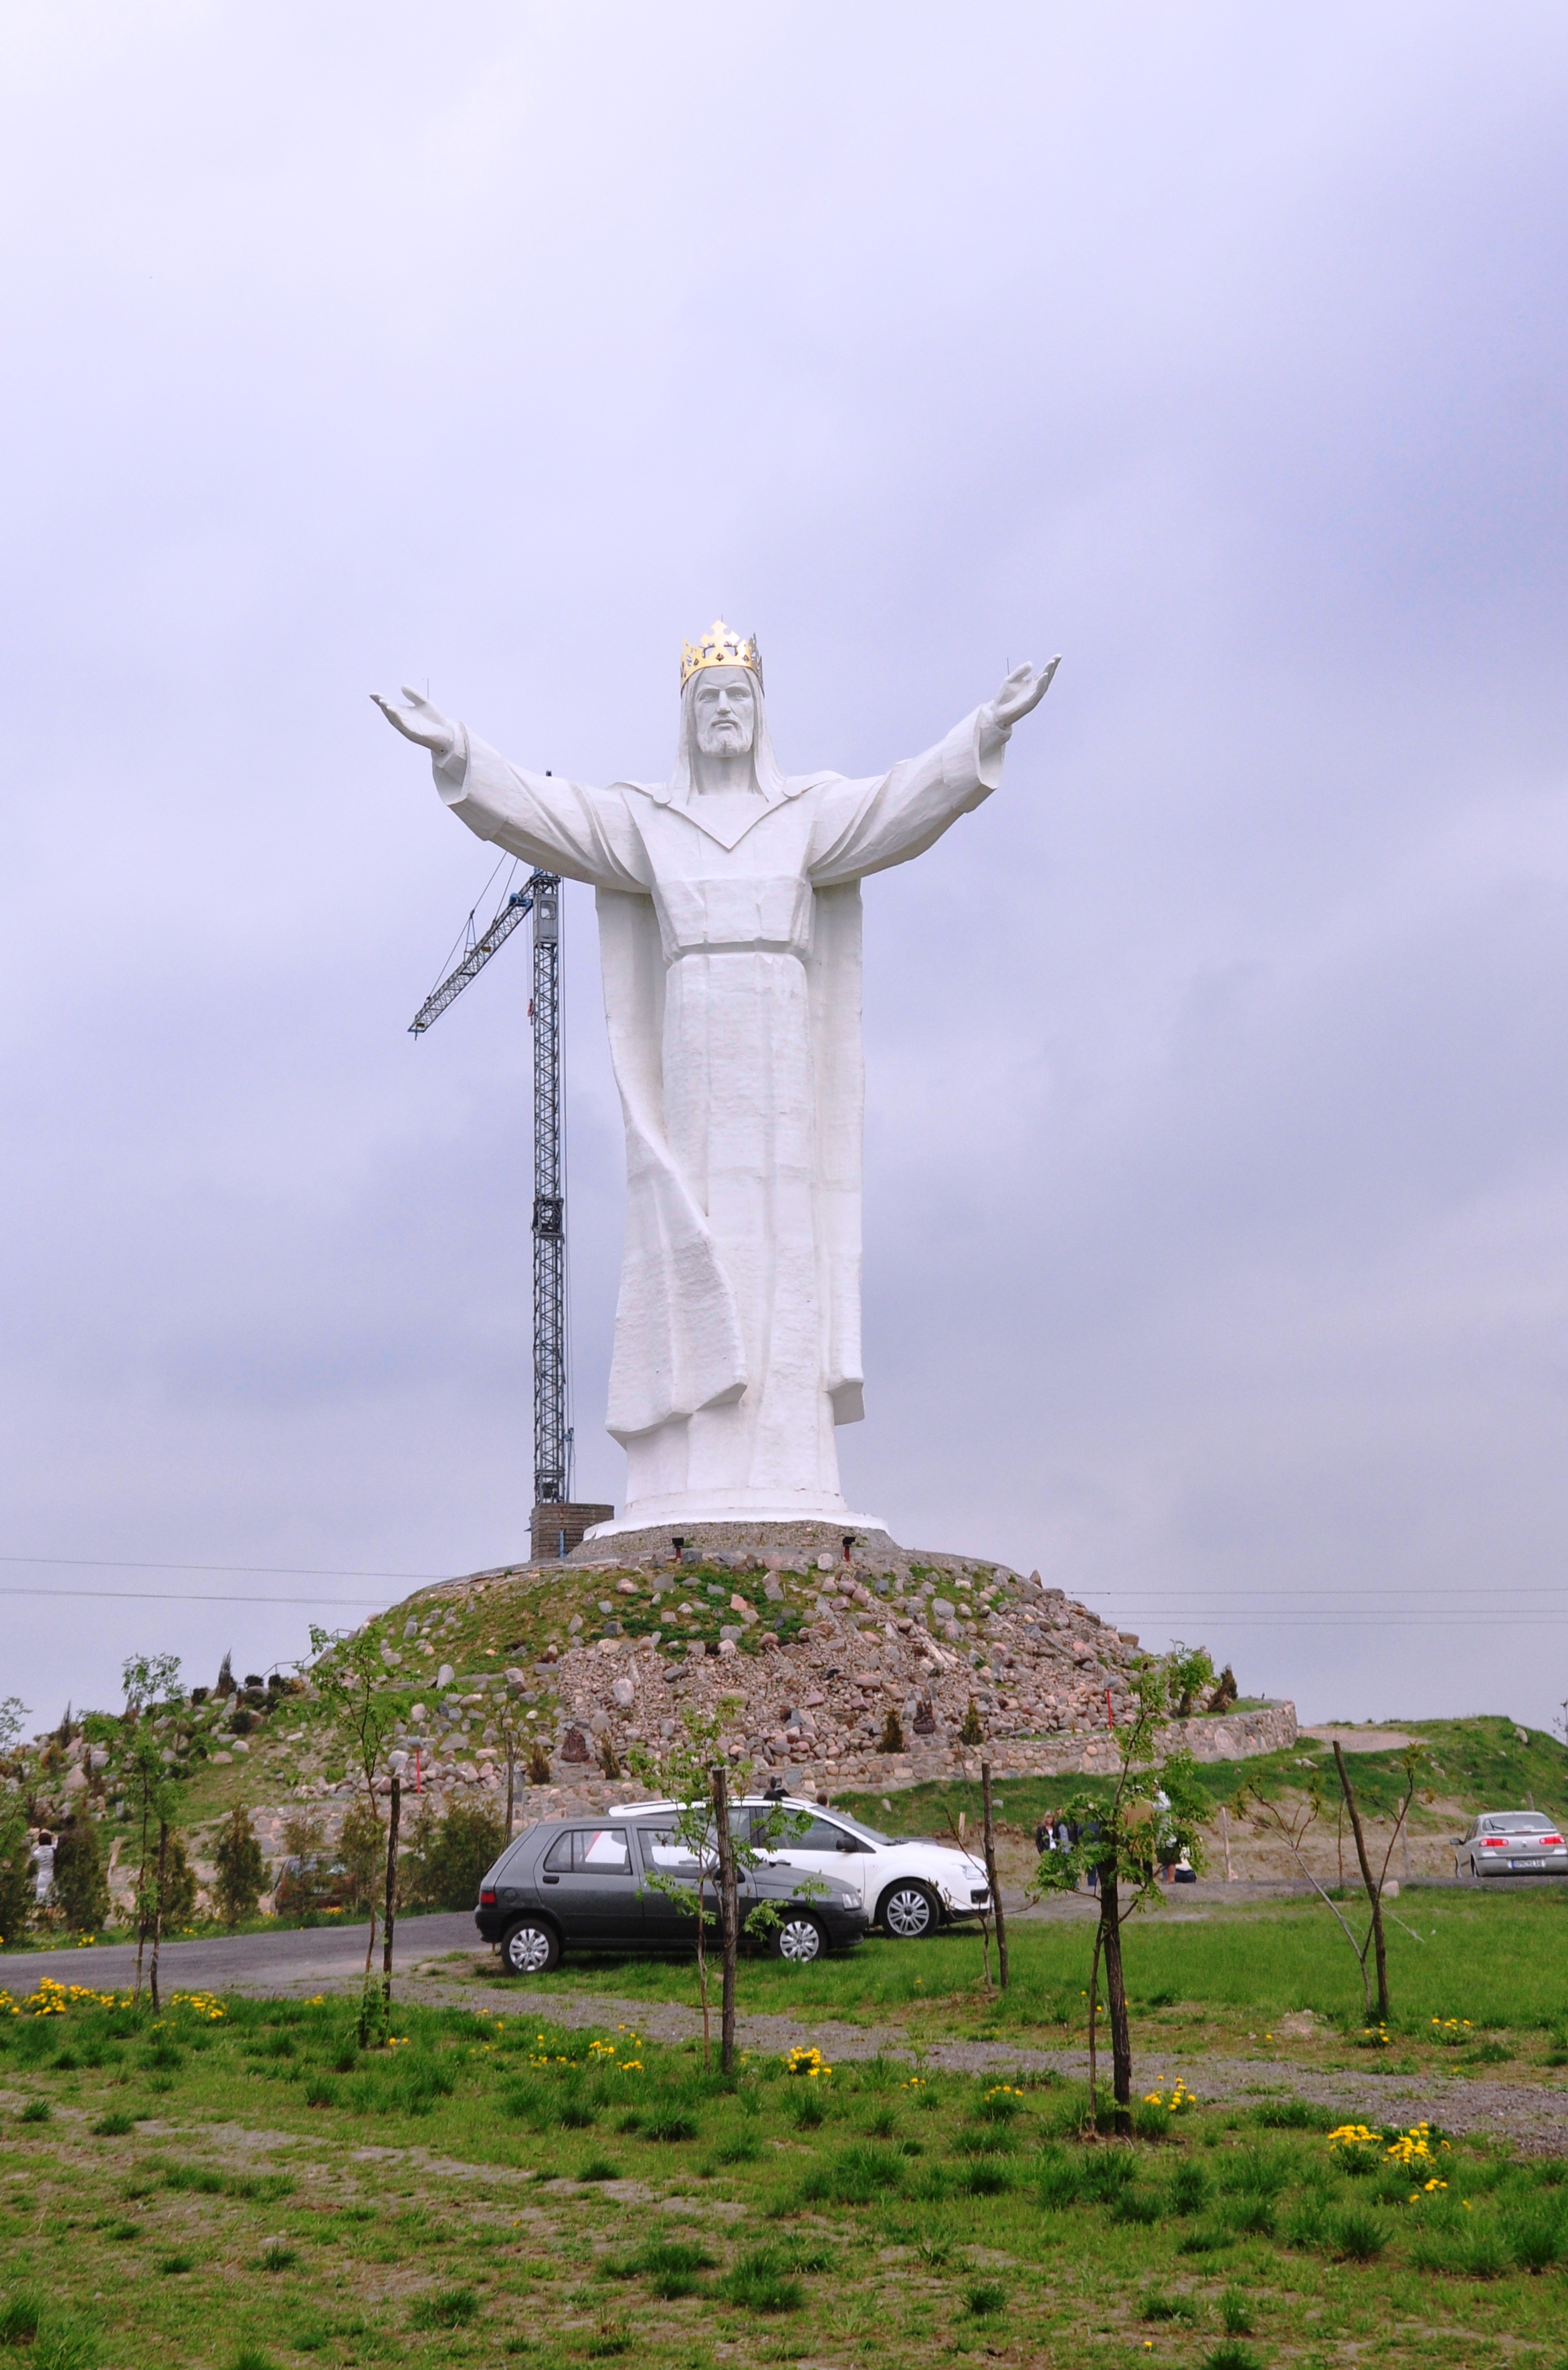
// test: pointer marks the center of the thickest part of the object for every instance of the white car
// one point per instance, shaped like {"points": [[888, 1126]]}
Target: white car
{"points": [[908, 1884], [1513, 1842]]}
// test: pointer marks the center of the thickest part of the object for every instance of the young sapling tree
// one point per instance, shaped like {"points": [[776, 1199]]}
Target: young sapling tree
{"points": [[691, 1774], [350, 1679], [1154, 1807]]}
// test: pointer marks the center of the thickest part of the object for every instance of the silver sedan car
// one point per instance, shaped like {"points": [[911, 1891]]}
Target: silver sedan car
{"points": [[1513, 1842]]}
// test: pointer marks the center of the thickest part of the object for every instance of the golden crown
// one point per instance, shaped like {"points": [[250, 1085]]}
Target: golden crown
{"points": [[720, 647]]}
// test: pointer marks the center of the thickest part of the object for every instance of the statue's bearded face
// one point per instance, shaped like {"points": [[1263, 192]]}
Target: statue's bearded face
{"points": [[724, 711]]}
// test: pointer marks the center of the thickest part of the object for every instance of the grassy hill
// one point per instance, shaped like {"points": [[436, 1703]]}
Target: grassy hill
{"points": [[456, 1652]]}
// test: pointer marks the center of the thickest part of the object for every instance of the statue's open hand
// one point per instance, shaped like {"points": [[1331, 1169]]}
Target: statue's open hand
{"points": [[422, 722], [1024, 689]]}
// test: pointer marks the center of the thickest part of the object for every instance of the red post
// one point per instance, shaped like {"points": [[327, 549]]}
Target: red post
{"points": [[1110, 1715]]}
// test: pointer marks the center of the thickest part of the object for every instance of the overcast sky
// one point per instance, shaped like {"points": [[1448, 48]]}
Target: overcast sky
{"points": [[1216, 1216]]}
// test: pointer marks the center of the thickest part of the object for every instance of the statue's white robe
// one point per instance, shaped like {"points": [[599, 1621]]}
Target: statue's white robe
{"points": [[729, 940]]}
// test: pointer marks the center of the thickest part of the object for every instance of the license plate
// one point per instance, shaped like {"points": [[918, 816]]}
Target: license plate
{"points": [[1526, 1863]]}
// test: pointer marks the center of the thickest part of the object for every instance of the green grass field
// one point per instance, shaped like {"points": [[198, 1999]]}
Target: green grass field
{"points": [[1499, 1961], [239, 2186]]}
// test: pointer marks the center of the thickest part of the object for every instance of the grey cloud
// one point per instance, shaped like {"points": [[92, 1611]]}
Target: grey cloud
{"points": [[1216, 1139]]}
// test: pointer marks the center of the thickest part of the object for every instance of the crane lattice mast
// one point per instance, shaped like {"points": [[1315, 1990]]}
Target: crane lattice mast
{"points": [[552, 1430], [552, 1425]]}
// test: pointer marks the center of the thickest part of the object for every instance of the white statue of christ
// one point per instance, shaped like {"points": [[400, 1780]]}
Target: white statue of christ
{"points": [[729, 902]]}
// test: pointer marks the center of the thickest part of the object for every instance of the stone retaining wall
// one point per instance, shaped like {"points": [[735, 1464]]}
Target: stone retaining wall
{"points": [[1235, 1736]]}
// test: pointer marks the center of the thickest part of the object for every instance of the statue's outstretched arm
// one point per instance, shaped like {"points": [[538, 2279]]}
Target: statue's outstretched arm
{"points": [[422, 722], [864, 827], [1023, 690], [558, 824]]}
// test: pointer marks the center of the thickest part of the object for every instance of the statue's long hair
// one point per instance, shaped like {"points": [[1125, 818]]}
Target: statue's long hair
{"points": [[767, 772]]}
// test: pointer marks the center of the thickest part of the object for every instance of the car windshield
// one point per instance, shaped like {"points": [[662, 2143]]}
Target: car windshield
{"points": [[866, 1835], [1519, 1823]]}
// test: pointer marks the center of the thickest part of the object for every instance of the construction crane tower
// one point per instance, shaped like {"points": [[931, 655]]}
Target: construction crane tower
{"points": [[558, 1522]]}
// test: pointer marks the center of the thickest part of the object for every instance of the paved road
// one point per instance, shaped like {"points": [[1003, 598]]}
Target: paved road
{"points": [[325, 1958], [318, 1958]]}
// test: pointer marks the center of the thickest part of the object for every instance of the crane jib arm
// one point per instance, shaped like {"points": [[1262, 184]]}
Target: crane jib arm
{"points": [[473, 962]]}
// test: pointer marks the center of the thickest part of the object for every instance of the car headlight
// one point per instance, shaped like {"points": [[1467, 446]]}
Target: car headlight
{"points": [[850, 1900]]}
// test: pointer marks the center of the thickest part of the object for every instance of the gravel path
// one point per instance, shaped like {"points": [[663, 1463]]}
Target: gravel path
{"points": [[437, 1965], [1533, 2118]]}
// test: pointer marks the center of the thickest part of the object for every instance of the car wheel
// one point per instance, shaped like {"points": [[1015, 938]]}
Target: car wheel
{"points": [[909, 1912], [798, 1938], [529, 1948]]}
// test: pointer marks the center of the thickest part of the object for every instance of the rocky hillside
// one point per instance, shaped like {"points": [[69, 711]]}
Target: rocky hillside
{"points": [[838, 1674]]}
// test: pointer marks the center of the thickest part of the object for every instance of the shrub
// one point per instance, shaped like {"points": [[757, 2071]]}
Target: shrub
{"points": [[1292, 2116], [1236, 2313], [178, 1889], [1257, 2174], [81, 1888], [447, 2308], [362, 1847], [857, 2177], [1462, 2254], [37, 2111], [1000, 2106], [599, 2168], [669, 2265], [761, 2282], [1232, 2355], [1535, 2241], [1189, 2189], [16, 1873], [65, 2344], [242, 1870], [449, 1856], [1060, 2182], [611, 2336], [1002, 2143], [19, 2319], [1304, 2224], [1105, 2172], [983, 2297], [743, 2150], [1157, 2306], [114, 2126], [1136, 2207], [669, 2127], [1358, 2236]]}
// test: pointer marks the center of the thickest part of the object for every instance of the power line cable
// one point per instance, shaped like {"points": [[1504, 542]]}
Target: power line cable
{"points": [[249, 1570]]}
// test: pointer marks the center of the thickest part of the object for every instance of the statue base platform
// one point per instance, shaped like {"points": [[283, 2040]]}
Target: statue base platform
{"points": [[793, 1540]]}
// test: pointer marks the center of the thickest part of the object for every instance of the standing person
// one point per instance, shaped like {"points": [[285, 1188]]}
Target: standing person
{"points": [[1046, 1833], [43, 1868], [1167, 1850]]}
